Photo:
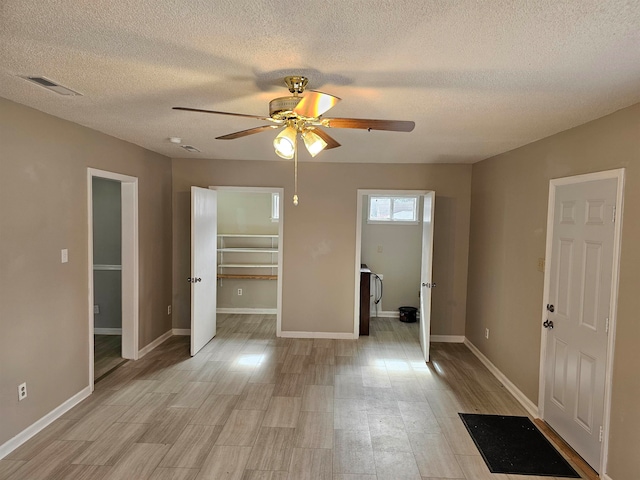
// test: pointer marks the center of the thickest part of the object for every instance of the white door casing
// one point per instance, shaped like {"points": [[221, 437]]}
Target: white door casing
{"points": [[580, 305], [426, 270], [204, 229]]}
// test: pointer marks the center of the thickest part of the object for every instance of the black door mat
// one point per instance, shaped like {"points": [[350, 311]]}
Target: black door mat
{"points": [[514, 445]]}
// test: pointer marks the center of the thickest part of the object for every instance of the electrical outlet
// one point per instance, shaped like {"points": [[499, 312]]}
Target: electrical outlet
{"points": [[96, 309], [239, 291], [541, 265], [22, 391], [169, 310], [486, 333], [379, 248]]}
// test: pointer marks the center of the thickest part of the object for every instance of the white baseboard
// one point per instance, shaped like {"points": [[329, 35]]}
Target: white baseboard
{"points": [[248, 311], [44, 422], [154, 344], [334, 335], [604, 476], [107, 331], [181, 331], [390, 314], [386, 314], [529, 406], [447, 338]]}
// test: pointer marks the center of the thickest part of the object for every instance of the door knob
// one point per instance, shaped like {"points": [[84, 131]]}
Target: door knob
{"points": [[548, 324], [550, 308]]}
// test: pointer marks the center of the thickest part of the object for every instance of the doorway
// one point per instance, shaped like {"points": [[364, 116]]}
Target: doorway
{"points": [[394, 237], [580, 296], [107, 275], [262, 262], [263, 245], [248, 245], [127, 268]]}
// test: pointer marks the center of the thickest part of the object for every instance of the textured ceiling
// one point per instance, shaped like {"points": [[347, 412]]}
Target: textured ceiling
{"points": [[477, 77]]}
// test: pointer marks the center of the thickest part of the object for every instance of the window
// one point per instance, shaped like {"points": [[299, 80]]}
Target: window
{"points": [[393, 209], [275, 207]]}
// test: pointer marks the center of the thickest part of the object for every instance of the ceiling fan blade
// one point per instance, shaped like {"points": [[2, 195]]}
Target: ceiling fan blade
{"points": [[187, 109], [314, 104], [244, 133], [389, 125], [331, 142]]}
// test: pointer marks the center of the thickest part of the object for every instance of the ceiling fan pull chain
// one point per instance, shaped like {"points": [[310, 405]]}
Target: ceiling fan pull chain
{"points": [[295, 171]]}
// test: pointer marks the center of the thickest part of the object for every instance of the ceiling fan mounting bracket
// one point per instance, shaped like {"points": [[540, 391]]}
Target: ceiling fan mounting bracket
{"points": [[296, 83]]}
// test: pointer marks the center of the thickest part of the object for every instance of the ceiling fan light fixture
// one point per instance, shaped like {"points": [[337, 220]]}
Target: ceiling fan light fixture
{"points": [[303, 115], [285, 143], [314, 143]]}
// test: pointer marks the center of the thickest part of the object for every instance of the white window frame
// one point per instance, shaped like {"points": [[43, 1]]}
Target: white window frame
{"points": [[275, 207], [391, 221]]}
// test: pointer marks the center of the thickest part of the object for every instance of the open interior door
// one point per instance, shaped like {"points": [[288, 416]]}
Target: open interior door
{"points": [[426, 283], [204, 232]]}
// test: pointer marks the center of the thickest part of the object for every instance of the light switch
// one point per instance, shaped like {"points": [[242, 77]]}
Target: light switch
{"points": [[379, 248], [64, 255]]}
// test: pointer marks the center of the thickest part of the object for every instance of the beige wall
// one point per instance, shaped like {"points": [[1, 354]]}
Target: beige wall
{"points": [[43, 208], [399, 262], [508, 234], [245, 212], [319, 234]]}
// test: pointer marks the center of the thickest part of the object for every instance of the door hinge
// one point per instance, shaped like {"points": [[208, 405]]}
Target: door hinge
{"points": [[601, 434], [613, 218], [606, 325]]}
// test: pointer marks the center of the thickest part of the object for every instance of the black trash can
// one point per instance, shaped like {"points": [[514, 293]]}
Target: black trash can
{"points": [[408, 314]]}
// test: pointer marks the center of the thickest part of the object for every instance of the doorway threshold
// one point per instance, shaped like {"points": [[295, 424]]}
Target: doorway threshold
{"points": [[584, 469], [110, 371]]}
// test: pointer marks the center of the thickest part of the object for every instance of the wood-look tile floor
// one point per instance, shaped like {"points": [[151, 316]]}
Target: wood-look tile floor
{"points": [[250, 406], [107, 354]]}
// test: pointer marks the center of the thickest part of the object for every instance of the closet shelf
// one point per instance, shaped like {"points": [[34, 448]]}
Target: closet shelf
{"points": [[246, 235], [238, 251], [247, 265], [247, 277], [248, 250]]}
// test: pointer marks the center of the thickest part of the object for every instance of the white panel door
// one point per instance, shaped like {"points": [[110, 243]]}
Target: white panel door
{"points": [[204, 230], [578, 313], [426, 282]]}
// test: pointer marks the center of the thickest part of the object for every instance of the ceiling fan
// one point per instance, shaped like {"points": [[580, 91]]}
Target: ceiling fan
{"points": [[302, 115]]}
